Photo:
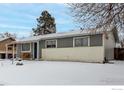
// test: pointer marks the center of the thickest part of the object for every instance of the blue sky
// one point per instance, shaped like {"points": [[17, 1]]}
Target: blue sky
{"points": [[21, 18]]}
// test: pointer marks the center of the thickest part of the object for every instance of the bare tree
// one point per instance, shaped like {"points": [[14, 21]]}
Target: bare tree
{"points": [[7, 34], [98, 15]]}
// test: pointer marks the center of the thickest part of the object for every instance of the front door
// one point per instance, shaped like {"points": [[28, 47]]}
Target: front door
{"points": [[35, 50]]}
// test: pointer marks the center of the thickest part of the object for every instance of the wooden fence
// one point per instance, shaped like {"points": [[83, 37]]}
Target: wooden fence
{"points": [[119, 53]]}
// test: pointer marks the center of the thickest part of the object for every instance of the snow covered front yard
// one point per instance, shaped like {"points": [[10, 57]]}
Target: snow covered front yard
{"points": [[61, 73]]}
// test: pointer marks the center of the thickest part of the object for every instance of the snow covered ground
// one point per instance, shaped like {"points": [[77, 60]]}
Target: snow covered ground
{"points": [[61, 73]]}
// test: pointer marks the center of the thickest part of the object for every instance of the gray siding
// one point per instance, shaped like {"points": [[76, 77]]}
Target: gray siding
{"points": [[96, 40], [41, 45], [32, 50], [65, 42], [0, 56], [18, 51]]}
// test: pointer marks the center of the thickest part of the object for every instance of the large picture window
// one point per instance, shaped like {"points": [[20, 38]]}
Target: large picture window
{"points": [[26, 47], [81, 41], [50, 43], [96, 40]]}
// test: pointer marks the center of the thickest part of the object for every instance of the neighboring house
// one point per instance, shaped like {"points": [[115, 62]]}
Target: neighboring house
{"points": [[3, 47], [87, 46]]}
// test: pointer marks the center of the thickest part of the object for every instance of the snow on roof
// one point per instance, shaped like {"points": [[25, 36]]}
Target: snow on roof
{"points": [[61, 35], [4, 38]]}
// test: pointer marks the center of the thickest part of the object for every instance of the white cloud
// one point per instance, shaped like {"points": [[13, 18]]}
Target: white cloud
{"points": [[19, 33], [15, 11], [14, 26]]}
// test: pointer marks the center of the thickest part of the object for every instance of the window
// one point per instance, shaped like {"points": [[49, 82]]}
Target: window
{"points": [[96, 40], [83, 41], [26, 47], [65, 42], [50, 43], [9, 48]]}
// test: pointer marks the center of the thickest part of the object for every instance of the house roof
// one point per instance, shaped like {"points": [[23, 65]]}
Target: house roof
{"points": [[2, 39], [59, 35], [63, 34]]}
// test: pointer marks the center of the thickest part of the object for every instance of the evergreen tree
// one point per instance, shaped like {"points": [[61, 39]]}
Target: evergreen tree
{"points": [[46, 24]]}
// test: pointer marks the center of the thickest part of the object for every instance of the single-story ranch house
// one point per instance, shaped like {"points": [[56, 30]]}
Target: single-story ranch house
{"points": [[87, 46]]}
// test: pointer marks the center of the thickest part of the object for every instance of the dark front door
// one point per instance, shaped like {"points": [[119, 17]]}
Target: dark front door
{"points": [[35, 50]]}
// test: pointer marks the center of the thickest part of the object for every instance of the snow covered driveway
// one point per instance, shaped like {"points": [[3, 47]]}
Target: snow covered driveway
{"points": [[62, 73]]}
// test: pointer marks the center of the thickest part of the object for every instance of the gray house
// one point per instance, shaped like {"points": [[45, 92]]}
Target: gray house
{"points": [[88, 46]]}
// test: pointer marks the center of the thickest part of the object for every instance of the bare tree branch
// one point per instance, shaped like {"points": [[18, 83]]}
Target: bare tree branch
{"points": [[99, 15]]}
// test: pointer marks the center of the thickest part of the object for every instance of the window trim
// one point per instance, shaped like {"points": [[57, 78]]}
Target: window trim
{"points": [[102, 41], [51, 40], [81, 37], [28, 50]]}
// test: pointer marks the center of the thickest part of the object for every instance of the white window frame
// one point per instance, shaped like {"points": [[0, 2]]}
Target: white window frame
{"points": [[81, 37], [50, 40], [26, 51]]}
